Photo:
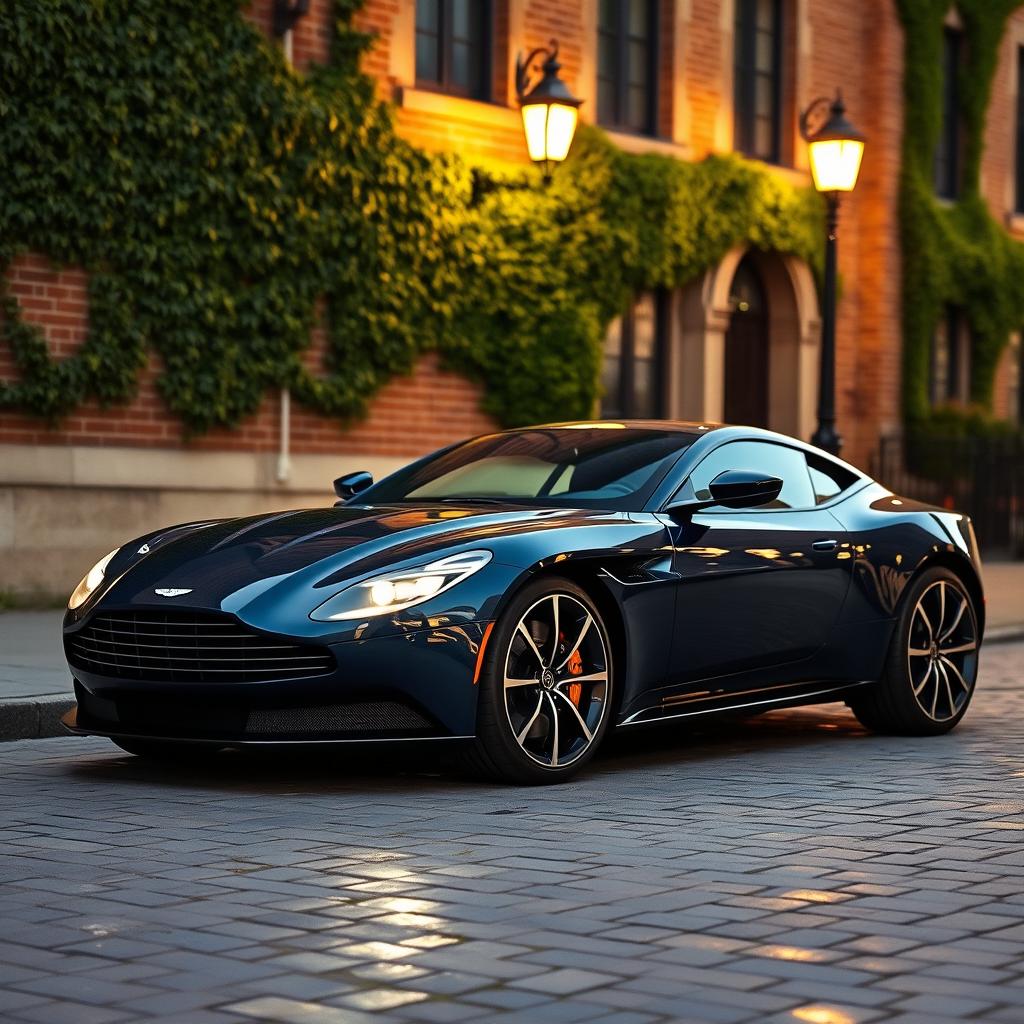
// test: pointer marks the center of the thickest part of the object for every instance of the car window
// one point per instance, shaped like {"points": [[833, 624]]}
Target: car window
{"points": [[828, 478], [610, 466], [787, 464]]}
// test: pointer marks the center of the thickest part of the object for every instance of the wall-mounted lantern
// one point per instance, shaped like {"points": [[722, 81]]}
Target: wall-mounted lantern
{"points": [[550, 111], [286, 14]]}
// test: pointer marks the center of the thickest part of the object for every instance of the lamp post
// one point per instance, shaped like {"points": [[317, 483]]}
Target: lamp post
{"points": [[835, 148], [550, 112]]}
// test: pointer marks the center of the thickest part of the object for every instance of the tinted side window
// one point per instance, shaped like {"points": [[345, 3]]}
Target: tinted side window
{"points": [[828, 478], [772, 459]]}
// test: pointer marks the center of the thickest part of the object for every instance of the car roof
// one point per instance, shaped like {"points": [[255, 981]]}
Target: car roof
{"points": [[696, 429], [681, 426]]}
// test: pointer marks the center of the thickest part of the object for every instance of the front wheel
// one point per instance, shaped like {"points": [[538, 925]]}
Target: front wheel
{"points": [[932, 664], [546, 687]]}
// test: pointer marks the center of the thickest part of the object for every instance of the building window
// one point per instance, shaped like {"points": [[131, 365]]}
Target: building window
{"points": [[454, 41], [632, 375], [627, 62], [947, 151], [951, 359], [757, 90], [1019, 202], [1015, 380]]}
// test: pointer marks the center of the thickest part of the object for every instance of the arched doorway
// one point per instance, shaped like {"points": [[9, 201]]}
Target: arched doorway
{"points": [[744, 344], [747, 349]]}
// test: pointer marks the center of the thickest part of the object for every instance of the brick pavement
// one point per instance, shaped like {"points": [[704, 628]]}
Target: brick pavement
{"points": [[786, 868]]}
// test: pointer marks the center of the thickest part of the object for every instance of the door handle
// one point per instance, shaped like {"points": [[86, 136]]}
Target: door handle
{"points": [[825, 545]]}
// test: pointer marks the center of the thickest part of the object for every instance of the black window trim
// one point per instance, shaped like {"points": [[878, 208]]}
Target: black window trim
{"points": [[745, 100], [950, 140], [860, 480], [1019, 142], [445, 42], [959, 337], [627, 360], [620, 82]]}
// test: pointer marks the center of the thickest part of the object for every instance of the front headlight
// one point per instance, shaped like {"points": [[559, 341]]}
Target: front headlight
{"points": [[90, 582], [393, 591]]}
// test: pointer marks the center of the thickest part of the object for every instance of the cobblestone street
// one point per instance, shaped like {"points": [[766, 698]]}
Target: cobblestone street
{"points": [[786, 868]]}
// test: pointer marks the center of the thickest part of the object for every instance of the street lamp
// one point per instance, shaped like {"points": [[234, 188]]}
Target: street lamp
{"points": [[549, 110], [835, 148]]}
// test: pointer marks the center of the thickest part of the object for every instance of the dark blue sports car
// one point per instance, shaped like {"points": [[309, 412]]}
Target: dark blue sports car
{"points": [[523, 592]]}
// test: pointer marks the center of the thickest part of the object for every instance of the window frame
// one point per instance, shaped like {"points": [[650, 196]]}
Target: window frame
{"points": [[484, 90], [1018, 204], [957, 336], [947, 160], [620, 78], [858, 482], [627, 359], [745, 80]]}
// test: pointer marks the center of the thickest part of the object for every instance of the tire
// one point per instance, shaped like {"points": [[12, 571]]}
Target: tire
{"points": [[932, 664], [165, 750], [520, 739]]}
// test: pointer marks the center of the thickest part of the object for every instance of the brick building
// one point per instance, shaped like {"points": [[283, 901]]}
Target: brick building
{"points": [[680, 77]]}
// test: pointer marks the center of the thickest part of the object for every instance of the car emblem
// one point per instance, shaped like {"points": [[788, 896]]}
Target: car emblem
{"points": [[172, 591]]}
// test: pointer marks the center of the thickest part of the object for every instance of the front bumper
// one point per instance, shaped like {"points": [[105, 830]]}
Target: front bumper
{"points": [[415, 686]]}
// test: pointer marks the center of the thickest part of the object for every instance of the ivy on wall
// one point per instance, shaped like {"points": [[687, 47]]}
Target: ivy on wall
{"points": [[214, 196], [953, 253]]}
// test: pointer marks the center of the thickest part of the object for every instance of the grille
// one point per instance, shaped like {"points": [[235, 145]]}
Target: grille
{"points": [[191, 647], [368, 716]]}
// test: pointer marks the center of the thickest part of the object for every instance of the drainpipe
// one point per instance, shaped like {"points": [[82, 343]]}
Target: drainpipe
{"points": [[285, 14], [284, 441]]}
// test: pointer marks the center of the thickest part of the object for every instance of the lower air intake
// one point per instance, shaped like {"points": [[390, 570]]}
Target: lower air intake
{"points": [[366, 717]]}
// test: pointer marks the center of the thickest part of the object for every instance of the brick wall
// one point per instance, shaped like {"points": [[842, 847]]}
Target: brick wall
{"points": [[55, 299], [703, 69], [857, 46]]}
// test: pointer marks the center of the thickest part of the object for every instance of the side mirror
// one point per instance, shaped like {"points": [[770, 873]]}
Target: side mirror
{"points": [[351, 484], [735, 488], [742, 488]]}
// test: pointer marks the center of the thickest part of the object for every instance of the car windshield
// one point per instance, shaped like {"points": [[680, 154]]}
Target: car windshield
{"points": [[611, 466]]}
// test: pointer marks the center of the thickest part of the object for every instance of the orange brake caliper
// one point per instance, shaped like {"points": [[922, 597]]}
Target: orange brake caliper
{"points": [[575, 666]]}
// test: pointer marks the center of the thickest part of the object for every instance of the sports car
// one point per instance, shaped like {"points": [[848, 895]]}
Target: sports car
{"points": [[519, 594]]}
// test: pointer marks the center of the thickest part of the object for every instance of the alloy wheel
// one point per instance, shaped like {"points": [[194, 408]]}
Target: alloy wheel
{"points": [[942, 650], [556, 680]]}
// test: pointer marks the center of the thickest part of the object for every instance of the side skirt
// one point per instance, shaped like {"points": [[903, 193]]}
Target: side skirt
{"points": [[791, 696]]}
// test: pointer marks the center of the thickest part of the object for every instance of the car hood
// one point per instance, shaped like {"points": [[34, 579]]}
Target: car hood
{"points": [[229, 562]]}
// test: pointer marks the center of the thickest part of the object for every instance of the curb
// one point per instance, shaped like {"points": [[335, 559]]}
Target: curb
{"points": [[1002, 635], [34, 718]]}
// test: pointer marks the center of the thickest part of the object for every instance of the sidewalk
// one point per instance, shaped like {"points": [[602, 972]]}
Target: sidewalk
{"points": [[35, 686], [1004, 598]]}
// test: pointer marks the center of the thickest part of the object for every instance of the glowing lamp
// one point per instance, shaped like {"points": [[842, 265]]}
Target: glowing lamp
{"points": [[550, 112], [835, 149]]}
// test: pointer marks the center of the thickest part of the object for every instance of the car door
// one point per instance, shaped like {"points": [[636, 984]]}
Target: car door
{"points": [[759, 588]]}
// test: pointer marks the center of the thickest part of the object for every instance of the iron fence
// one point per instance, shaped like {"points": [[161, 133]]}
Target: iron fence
{"points": [[983, 477]]}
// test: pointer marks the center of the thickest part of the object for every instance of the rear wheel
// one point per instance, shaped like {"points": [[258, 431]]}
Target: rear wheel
{"points": [[546, 687], [932, 663]]}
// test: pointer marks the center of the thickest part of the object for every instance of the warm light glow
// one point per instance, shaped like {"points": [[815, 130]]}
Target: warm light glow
{"points": [[835, 163], [90, 582], [816, 895], [549, 129], [796, 953], [822, 1015]]}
